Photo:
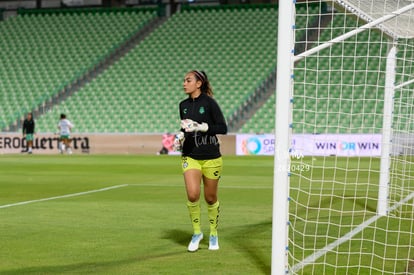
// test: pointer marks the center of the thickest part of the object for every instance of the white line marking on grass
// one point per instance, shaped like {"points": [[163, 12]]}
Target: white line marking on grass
{"points": [[64, 196], [312, 258], [398, 204]]}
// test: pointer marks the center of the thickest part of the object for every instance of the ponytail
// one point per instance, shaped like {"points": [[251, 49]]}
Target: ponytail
{"points": [[205, 84]]}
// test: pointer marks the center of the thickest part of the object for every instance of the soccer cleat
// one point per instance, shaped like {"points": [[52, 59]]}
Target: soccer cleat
{"points": [[213, 244], [195, 241]]}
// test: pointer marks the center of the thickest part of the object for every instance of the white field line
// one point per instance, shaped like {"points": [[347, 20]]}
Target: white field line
{"points": [[119, 186], [312, 258], [64, 196]]}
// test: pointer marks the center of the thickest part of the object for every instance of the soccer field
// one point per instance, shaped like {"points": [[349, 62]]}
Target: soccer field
{"points": [[103, 214], [140, 226]]}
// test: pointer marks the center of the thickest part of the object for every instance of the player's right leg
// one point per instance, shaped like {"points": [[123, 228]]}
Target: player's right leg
{"points": [[192, 178], [211, 174], [61, 144], [68, 146], [213, 210], [29, 147], [29, 139], [24, 148]]}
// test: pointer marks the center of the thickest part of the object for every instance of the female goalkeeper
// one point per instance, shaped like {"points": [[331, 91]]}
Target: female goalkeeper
{"points": [[201, 120]]}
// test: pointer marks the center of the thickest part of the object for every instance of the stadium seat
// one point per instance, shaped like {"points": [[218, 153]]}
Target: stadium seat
{"points": [[148, 79], [45, 51], [327, 106], [141, 92]]}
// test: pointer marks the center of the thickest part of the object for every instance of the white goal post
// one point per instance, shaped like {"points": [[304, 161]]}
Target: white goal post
{"points": [[345, 105]]}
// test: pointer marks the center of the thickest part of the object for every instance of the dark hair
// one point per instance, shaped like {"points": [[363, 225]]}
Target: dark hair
{"points": [[62, 116], [205, 84]]}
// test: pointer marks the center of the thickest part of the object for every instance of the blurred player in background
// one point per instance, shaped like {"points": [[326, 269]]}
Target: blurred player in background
{"points": [[28, 132], [167, 144], [65, 127], [201, 119]]}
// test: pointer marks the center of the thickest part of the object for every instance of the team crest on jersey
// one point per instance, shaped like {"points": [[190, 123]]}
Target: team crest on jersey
{"points": [[185, 110], [201, 110]]}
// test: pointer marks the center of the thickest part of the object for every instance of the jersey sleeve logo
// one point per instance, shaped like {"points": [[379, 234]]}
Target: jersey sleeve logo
{"points": [[201, 110]]}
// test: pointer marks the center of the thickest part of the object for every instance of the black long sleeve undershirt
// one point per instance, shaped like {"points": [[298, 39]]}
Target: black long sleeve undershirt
{"points": [[203, 109]]}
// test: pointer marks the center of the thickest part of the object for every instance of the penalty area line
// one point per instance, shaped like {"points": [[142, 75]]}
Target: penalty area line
{"points": [[312, 258], [64, 196]]}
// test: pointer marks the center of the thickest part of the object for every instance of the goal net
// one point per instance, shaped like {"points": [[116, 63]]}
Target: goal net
{"points": [[351, 137]]}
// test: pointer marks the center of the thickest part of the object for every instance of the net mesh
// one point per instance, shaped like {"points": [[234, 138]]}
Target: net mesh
{"points": [[338, 114]]}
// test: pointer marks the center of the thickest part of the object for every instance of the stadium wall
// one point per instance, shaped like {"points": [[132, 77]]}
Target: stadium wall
{"points": [[145, 144], [233, 144]]}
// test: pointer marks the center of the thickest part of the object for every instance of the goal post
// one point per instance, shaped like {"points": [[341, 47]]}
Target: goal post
{"points": [[281, 173], [344, 203], [386, 139]]}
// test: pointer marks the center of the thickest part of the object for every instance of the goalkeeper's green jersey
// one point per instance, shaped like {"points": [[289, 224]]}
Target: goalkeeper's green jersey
{"points": [[200, 145]]}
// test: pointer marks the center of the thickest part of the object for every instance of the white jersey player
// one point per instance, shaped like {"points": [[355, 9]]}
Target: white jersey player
{"points": [[65, 127]]}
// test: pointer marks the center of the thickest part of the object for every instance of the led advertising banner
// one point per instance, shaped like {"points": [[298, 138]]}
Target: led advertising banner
{"points": [[313, 145]]}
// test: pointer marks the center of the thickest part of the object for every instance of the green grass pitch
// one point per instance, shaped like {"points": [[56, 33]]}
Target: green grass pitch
{"points": [[141, 228], [141, 225]]}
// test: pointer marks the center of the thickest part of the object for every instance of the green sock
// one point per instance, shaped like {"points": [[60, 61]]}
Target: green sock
{"points": [[194, 210], [213, 217]]}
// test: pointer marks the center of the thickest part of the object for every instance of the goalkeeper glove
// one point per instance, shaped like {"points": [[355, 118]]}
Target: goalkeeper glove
{"points": [[191, 126], [178, 142]]}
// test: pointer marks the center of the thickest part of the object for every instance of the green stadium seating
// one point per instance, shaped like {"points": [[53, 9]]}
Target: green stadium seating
{"points": [[42, 52], [140, 93], [236, 46], [338, 94]]}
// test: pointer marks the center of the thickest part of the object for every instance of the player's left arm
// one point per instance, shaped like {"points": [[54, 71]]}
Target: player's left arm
{"points": [[218, 125], [179, 137], [70, 125], [182, 129], [24, 128], [215, 124]]}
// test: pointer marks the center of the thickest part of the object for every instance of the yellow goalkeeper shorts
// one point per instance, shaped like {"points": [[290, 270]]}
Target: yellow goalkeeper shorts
{"points": [[210, 168]]}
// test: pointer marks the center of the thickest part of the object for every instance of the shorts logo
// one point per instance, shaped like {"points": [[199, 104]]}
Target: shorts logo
{"points": [[216, 173], [201, 110], [185, 164]]}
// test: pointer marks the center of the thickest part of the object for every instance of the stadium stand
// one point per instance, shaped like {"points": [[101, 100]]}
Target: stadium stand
{"points": [[328, 106], [140, 93], [41, 52]]}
